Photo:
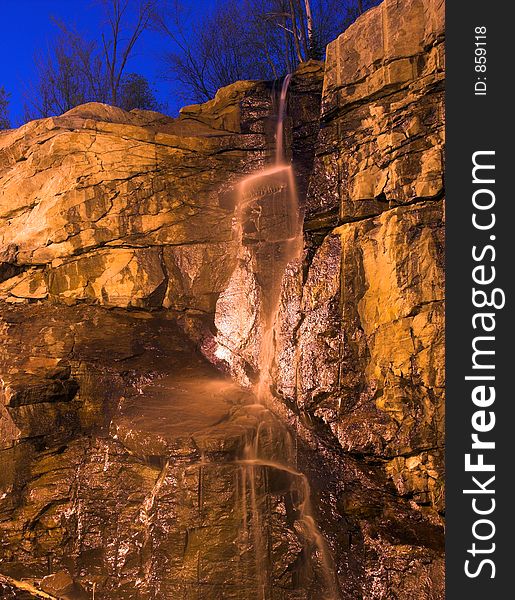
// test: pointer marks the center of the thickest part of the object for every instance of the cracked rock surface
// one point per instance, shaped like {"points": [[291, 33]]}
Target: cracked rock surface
{"points": [[120, 441]]}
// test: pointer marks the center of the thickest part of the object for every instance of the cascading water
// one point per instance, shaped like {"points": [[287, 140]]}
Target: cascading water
{"points": [[269, 228], [279, 136]]}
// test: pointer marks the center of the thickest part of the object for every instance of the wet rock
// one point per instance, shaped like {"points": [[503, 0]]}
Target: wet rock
{"points": [[371, 337], [303, 120], [363, 350], [382, 138], [237, 321], [359, 340], [29, 389], [62, 585], [160, 502], [21, 590], [90, 200], [38, 404], [131, 467]]}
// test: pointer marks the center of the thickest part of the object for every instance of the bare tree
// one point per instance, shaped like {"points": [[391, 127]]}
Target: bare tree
{"points": [[4, 106], [74, 70], [247, 39], [233, 42], [122, 35], [68, 73], [215, 52], [238, 39], [309, 23]]}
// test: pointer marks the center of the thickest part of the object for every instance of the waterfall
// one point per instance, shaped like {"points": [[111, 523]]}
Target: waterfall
{"points": [[269, 229], [279, 133]]}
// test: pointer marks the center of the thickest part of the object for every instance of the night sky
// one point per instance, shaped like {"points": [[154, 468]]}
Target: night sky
{"points": [[27, 25]]}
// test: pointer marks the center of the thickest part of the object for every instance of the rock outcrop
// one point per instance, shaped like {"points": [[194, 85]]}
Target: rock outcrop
{"points": [[147, 502], [122, 446], [360, 337], [379, 274], [108, 207]]}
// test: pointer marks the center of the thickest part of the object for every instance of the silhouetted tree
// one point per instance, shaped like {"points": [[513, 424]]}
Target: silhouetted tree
{"points": [[69, 73], [135, 92], [4, 105], [75, 70], [116, 46], [247, 39]]}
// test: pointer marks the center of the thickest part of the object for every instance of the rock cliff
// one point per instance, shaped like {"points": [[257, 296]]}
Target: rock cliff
{"points": [[378, 274], [122, 445]]}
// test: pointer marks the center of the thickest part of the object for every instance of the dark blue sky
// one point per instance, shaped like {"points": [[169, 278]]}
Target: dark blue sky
{"points": [[26, 25]]}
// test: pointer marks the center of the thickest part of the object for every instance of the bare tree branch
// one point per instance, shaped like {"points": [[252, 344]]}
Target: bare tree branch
{"points": [[75, 70]]}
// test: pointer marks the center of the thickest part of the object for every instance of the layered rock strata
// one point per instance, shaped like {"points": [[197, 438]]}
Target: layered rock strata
{"points": [[116, 237], [379, 274]]}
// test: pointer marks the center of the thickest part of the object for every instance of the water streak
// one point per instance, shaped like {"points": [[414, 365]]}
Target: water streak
{"points": [[279, 136], [270, 231]]}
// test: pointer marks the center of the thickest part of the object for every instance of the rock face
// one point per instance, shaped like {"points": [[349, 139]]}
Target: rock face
{"points": [[378, 276], [359, 340], [132, 467], [382, 132], [153, 503], [103, 206], [360, 333]]}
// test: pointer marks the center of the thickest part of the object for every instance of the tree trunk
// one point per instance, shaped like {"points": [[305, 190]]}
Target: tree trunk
{"points": [[302, 29], [295, 31], [309, 19]]}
